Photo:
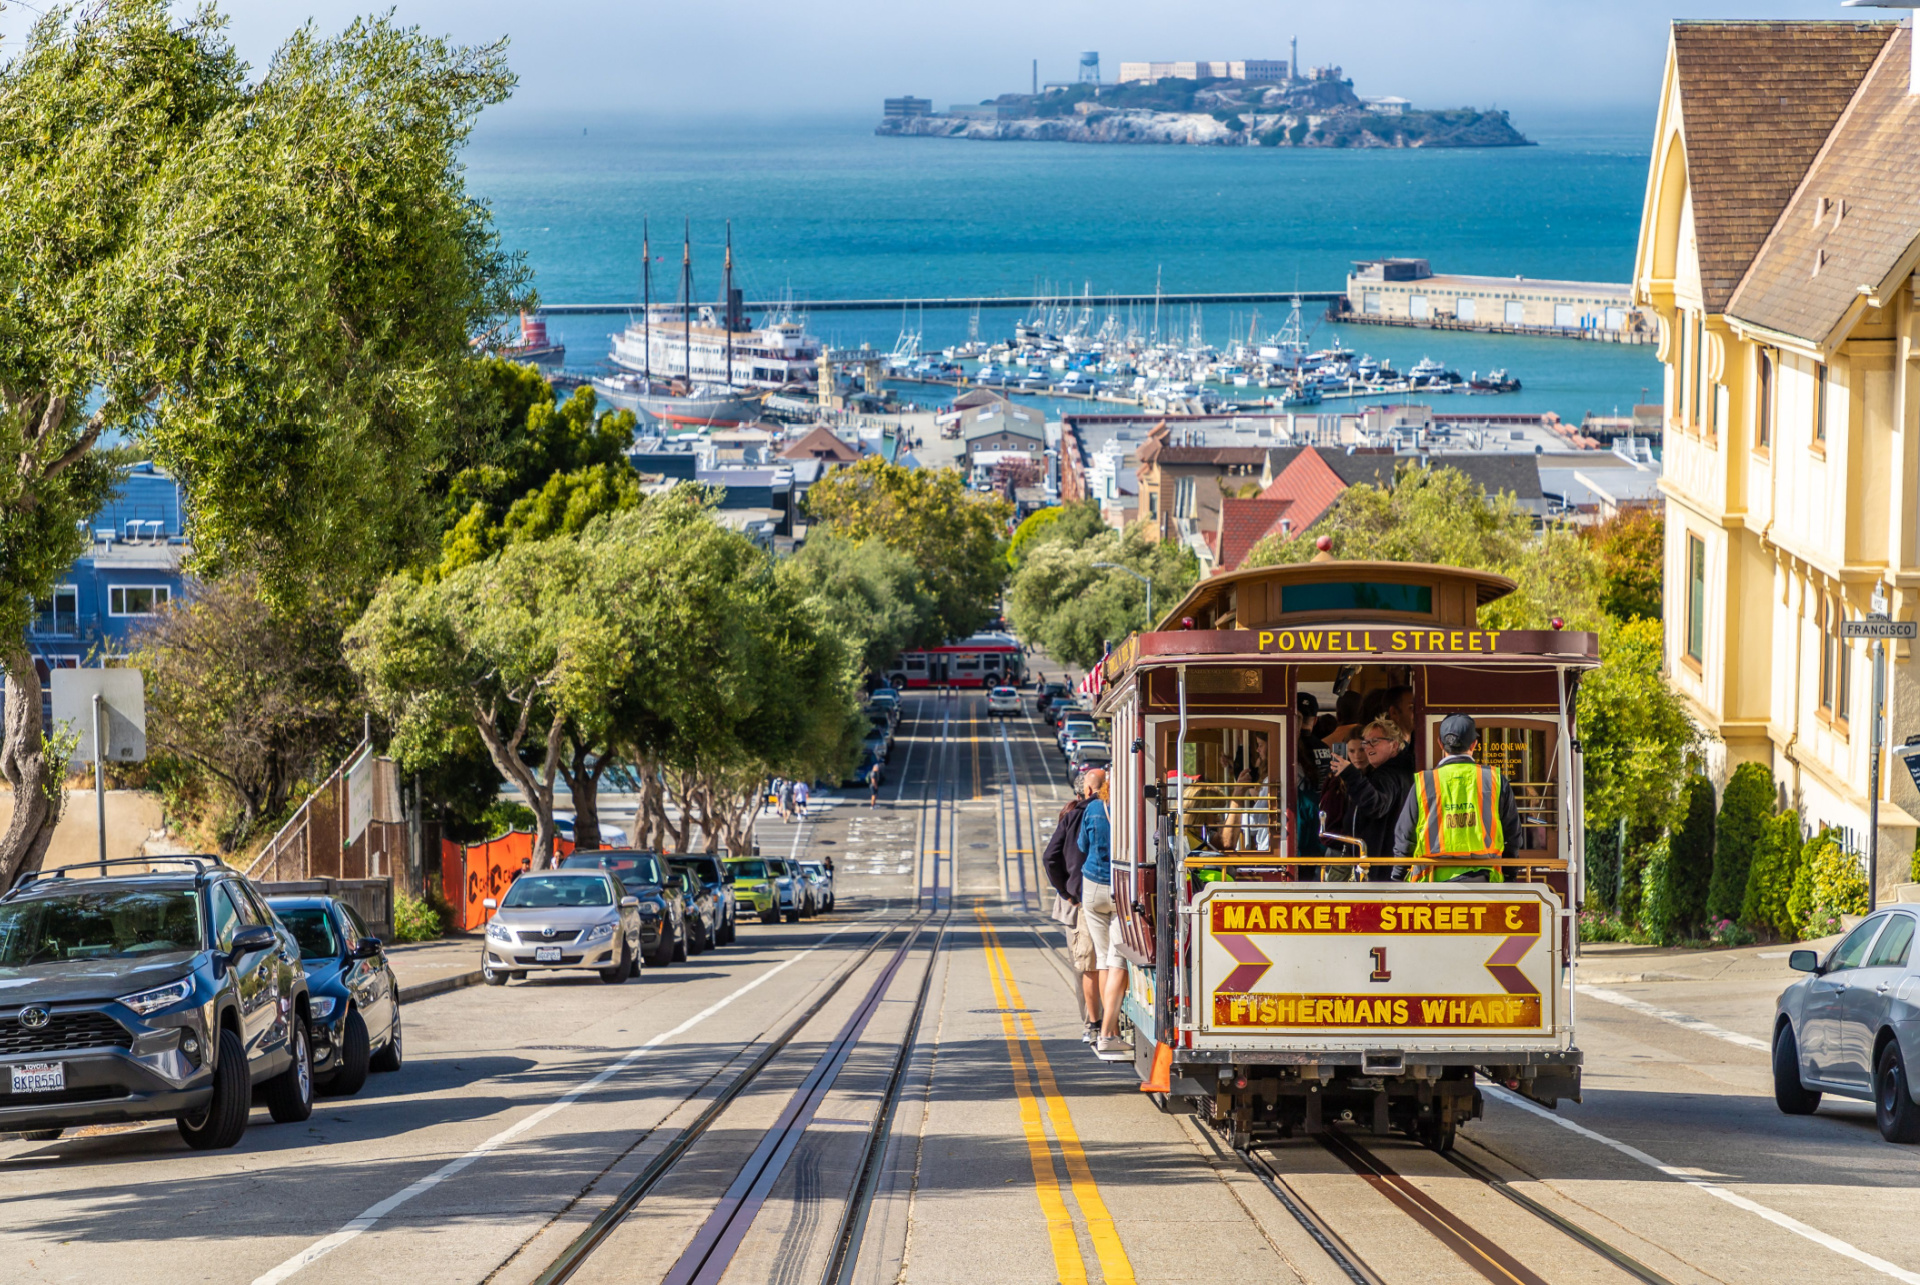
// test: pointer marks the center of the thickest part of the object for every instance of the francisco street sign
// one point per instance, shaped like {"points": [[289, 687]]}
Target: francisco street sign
{"points": [[1880, 629]]}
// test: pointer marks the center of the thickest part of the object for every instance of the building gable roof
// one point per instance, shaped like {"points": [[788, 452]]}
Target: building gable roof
{"points": [[1312, 485], [1818, 257], [1757, 99], [1243, 524], [820, 444]]}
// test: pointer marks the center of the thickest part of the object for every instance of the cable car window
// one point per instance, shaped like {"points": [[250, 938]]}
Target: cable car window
{"points": [[1348, 595]]}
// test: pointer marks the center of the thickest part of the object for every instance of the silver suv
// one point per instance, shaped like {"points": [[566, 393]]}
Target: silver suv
{"points": [[563, 919]]}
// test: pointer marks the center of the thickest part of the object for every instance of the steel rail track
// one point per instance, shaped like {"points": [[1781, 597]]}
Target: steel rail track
{"points": [[1472, 1246], [784, 1135]]}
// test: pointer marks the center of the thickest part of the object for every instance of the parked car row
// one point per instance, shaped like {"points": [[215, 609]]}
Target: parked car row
{"points": [[182, 992], [614, 909]]}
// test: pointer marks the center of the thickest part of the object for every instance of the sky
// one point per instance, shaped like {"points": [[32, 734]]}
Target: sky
{"points": [[782, 58]]}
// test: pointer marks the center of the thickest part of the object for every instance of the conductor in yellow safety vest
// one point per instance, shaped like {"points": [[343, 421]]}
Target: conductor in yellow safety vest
{"points": [[1458, 808]]}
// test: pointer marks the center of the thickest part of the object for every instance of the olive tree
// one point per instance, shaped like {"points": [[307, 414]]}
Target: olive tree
{"points": [[267, 285]]}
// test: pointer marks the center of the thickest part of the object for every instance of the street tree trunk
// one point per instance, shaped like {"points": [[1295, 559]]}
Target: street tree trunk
{"points": [[37, 786], [504, 749]]}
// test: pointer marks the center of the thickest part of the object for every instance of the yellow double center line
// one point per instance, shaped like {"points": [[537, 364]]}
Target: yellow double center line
{"points": [[1018, 1029]]}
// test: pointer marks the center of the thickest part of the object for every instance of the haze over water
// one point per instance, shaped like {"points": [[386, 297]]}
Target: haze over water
{"points": [[826, 209]]}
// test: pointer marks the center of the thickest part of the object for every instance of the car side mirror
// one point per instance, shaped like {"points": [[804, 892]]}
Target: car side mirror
{"points": [[1804, 961], [367, 948], [629, 903], [251, 939], [677, 882], [490, 904]]}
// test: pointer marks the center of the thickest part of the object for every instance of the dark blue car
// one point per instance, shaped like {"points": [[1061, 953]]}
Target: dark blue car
{"points": [[355, 1002]]}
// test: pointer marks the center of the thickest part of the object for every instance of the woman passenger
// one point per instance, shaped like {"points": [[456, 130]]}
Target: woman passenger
{"points": [[1375, 797]]}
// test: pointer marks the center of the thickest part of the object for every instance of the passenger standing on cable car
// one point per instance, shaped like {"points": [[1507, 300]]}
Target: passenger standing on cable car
{"points": [[1376, 796], [1459, 808]]}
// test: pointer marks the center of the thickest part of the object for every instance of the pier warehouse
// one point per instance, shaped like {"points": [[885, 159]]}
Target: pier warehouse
{"points": [[1406, 292]]}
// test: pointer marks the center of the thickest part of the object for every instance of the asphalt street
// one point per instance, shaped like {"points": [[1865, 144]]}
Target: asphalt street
{"points": [[992, 1145]]}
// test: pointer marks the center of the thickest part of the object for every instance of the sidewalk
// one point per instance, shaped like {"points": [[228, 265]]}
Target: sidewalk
{"points": [[1606, 963], [428, 968]]}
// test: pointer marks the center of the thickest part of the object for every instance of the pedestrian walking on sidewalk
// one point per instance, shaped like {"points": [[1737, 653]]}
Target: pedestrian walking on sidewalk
{"points": [[800, 799], [1061, 861], [875, 779], [1103, 924], [786, 800]]}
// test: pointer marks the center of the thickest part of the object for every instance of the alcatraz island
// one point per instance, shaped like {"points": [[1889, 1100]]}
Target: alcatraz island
{"points": [[1250, 103]]}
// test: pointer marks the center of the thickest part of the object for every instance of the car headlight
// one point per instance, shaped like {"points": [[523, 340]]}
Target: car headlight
{"points": [[145, 1002], [497, 931], [322, 1006], [763, 887], [597, 933]]}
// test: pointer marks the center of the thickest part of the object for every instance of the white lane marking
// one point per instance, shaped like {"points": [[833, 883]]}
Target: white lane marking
{"points": [[1714, 1189], [1678, 1019], [374, 1213]]}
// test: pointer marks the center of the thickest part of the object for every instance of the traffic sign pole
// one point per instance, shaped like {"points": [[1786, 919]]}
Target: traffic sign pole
{"points": [[1873, 775], [99, 778]]}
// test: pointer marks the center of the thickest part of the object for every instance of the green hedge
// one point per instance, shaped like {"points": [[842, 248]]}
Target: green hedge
{"points": [[1691, 870], [1830, 882], [1744, 809], [1776, 860], [1662, 914]]}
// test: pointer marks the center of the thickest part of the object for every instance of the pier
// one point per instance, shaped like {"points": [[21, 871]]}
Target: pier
{"points": [[964, 302]]}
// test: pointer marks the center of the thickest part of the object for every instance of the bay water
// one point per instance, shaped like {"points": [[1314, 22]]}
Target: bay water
{"points": [[823, 208]]}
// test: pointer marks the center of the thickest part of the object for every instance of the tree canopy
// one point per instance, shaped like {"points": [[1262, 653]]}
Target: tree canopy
{"points": [[1061, 600], [956, 538], [869, 594], [267, 285]]}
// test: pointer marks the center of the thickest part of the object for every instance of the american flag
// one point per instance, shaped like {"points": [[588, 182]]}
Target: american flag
{"points": [[1095, 680]]}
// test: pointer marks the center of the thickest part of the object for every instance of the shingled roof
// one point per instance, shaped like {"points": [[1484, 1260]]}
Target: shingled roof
{"points": [[1868, 177], [1757, 99]]}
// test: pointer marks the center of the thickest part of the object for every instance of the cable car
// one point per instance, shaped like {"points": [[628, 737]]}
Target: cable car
{"points": [[984, 660], [1275, 987]]}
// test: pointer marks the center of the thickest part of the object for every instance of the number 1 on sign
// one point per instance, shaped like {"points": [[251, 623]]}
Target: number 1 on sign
{"points": [[1380, 973]]}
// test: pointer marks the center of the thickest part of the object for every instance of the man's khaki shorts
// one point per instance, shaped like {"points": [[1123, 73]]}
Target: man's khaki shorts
{"points": [[1080, 943]]}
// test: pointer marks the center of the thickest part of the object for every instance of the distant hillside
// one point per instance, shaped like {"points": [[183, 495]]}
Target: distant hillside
{"points": [[1220, 113]]}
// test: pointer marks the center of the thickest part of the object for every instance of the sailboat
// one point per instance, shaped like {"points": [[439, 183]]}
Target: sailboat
{"points": [[716, 370]]}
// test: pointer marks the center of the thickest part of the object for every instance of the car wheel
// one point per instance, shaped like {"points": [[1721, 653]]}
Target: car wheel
{"points": [[42, 1135], [219, 1124], [1893, 1107], [289, 1094], [392, 1053], [355, 1054], [680, 945], [1789, 1094], [793, 916], [770, 917], [728, 931], [490, 975], [621, 971]]}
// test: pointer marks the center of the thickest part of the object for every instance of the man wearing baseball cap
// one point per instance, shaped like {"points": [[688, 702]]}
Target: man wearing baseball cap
{"points": [[1458, 808]]}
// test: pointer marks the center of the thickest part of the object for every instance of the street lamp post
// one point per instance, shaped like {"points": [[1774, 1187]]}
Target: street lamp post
{"points": [[1115, 566]]}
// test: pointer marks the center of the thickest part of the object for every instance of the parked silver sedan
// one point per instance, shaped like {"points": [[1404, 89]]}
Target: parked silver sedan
{"points": [[563, 919], [1852, 1026]]}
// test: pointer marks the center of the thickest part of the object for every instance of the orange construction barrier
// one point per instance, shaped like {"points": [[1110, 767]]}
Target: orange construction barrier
{"points": [[471, 875]]}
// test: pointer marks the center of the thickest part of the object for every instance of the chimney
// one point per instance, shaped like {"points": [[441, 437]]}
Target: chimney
{"points": [[1913, 43]]}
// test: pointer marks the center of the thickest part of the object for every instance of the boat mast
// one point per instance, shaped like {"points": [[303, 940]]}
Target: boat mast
{"points": [[686, 299], [646, 304], [726, 303]]}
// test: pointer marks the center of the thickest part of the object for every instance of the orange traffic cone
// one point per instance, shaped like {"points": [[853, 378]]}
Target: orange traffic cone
{"points": [[1158, 1081]]}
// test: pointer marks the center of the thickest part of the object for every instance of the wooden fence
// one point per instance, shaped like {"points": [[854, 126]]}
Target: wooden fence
{"points": [[313, 843]]}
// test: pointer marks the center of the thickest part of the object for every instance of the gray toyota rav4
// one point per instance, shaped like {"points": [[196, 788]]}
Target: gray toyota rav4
{"points": [[145, 993]]}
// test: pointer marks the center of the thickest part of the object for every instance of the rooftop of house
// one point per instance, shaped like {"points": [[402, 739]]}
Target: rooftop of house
{"points": [[819, 443], [1757, 101], [1853, 218]]}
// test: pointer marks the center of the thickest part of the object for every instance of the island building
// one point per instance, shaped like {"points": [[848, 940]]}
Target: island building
{"points": [[907, 107], [1778, 245], [1407, 292], [1268, 69]]}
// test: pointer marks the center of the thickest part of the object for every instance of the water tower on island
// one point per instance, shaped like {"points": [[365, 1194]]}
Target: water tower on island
{"points": [[1090, 68]]}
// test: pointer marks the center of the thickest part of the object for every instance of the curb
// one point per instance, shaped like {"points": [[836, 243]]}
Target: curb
{"points": [[438, 986]]}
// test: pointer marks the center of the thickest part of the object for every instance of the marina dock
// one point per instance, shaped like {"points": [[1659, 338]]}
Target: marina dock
{"points": [[964, 302]]}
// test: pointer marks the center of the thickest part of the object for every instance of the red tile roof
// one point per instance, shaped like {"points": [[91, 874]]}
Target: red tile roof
{"points": [[1312, 486], [1243, 524]]}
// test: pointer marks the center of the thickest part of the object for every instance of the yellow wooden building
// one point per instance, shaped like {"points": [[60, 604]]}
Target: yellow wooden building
{"points": [[1778, 247]]}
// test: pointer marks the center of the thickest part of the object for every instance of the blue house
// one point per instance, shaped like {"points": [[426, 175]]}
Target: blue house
{"points": [[131, 569]]}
